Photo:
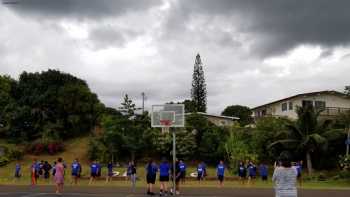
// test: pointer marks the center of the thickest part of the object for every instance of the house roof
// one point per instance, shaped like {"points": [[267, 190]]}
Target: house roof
{"points": [[218, 116], [303, 95]]}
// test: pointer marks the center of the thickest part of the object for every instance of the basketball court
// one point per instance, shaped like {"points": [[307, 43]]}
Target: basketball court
{"points": [[84, 191]]}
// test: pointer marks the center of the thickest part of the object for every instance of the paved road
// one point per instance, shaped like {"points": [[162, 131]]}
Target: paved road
{"points": [[47, 191]]}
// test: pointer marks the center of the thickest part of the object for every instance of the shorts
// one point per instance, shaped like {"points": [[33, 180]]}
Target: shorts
{"points": [[17, 174], [242, 176], [94, 174], [163, 178], [299, 175], [183, 175], [110, 174], [151, 179], [264, 178], [221, 178], [59, 179], [200, 176], [75, 174]]}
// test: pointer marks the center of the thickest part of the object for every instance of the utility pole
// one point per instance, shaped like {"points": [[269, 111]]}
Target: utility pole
{"points": [[143, 101]]}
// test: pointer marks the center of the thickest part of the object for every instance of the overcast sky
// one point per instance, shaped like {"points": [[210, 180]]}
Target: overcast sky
{"points": [[253, 51]]}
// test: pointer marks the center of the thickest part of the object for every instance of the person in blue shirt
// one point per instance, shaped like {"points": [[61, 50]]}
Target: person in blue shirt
{"points": [[94, 168], [151, 174], [220, 171], [299, 168], [183, 168], [164, 169], [109, 172], [76, 170], [99, 166], [201, 171], [263, 170], [242, 172], [18, 171], [251, 172]]}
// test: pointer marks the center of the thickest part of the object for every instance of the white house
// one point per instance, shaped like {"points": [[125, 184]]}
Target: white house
{"points": [[332, 103]]}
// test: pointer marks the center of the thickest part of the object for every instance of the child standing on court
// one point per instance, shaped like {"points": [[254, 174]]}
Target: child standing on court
{"points": [[151, 174], [263, 170], [183, 167], [200, 172], [164, 177], [251, 172], [131, 172], [76, 170], [17, 171], [242, 172], [110, 172], [59, 176], [220, 170], [93, 172], [34, 172]]}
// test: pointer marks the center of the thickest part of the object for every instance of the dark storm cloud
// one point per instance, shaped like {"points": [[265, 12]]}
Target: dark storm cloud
{"points": [[78, 9], [276, 26]]}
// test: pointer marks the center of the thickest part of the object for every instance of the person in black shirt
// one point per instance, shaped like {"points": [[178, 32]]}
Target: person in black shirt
{"points": [[47, 167], [177, 177]]}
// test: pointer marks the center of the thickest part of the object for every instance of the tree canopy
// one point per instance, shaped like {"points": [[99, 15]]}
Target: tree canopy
{"points": [[50, 104], [242, 112]]}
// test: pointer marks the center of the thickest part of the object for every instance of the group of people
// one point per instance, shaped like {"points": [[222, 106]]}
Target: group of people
{"points": [[164, 170]]}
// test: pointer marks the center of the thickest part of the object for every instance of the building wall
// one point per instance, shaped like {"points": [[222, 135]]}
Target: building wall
{"points": [[330, 100]]}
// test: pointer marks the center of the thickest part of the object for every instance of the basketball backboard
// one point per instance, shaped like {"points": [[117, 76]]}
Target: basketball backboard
{"points": [[168, 115]]}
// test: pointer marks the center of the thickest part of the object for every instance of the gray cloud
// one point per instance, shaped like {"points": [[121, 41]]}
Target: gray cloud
{"points": [[138, 46], [109, 36], [275, 26], [79, 9]]}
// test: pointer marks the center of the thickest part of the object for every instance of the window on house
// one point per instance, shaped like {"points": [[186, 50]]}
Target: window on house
{"points": [[284, 106], [290, 105], [320, 105], [307, 103]]}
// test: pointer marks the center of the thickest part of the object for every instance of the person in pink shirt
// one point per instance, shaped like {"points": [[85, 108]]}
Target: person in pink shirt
{"points": [[59, 176]]}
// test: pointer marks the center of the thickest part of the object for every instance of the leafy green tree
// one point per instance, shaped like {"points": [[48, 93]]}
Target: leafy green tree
{"points": [[50, 104], [128, 106], [242, 112], [199, 91], [212, 146], [237, 149], [190, 106], [265, 133], [197, 124], [307, 134]]}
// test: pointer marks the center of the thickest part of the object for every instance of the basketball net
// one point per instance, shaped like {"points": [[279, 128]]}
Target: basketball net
{"points": [[166, 125]]}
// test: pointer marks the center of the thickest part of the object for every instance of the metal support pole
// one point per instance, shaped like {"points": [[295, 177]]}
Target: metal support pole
{"points": [[347, 144], [174, 163]]}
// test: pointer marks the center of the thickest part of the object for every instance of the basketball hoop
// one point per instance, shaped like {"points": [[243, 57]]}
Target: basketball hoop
{"points": [[166, 125]]}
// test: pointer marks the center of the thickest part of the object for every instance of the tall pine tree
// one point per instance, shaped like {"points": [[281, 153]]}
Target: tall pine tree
{"points": [[199, 90]]}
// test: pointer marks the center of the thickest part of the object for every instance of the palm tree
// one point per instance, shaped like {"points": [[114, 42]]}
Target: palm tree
{"points": [[307, 133], [345, 120]]}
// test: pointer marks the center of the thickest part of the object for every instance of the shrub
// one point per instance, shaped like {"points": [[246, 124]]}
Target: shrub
{"points": [[4, 160], [54, 147], [38, 148], [344, 162], [15, 154]]}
